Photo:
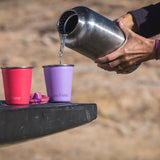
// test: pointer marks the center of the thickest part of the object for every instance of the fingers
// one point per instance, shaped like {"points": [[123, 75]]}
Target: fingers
{"points": [[105, 67], [109, 57], [118, 69], [118, 66], [112, 66]]}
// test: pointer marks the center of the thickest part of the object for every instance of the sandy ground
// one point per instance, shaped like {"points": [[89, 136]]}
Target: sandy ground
{"points": [[127, 127]]}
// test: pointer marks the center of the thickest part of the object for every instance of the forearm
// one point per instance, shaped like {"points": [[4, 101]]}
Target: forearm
{"points": [[147, 20]]}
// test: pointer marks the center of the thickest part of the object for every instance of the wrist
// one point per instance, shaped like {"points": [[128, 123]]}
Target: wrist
{"points": [[155, 49]]}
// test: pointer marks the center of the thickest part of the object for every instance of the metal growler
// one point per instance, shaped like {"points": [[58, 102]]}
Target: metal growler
{"points": [[90, 33]]}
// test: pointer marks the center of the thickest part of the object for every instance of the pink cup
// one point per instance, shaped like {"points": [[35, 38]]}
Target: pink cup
{"points": [[58, 80], [17, 84]]}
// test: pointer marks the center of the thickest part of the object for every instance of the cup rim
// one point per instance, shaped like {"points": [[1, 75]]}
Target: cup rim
{"points": [[16, 67], [58, 65]]}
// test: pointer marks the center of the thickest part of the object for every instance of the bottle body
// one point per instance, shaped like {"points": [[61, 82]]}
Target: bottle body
{"points": [[89, 33]]}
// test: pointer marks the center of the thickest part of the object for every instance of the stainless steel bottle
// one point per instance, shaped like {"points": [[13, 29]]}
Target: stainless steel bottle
{"points": [[89, 33]]}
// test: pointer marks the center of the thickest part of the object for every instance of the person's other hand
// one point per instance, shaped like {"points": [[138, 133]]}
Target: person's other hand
{"points": [[129, 21], [135, 50]]}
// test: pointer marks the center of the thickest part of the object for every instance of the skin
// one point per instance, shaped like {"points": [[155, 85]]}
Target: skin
{"points": [[135, 50]]}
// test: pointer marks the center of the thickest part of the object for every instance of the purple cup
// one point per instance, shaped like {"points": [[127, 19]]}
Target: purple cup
{"points": [[58, 79]]}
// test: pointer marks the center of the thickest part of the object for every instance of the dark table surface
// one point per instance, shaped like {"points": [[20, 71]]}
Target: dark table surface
{"points": [[23, 122]]}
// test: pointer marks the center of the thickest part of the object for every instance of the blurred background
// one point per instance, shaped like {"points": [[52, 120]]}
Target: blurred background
{"points": [[128, 123]]}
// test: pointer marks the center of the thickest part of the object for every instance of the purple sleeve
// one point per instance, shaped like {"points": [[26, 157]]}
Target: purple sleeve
{"points": [[148, 20]]}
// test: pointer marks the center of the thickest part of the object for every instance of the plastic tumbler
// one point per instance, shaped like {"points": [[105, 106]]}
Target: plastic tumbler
{"points": [[58, 79], [17, 84]]}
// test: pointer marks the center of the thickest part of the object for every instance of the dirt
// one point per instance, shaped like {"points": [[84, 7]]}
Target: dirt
{"points": [[128, 123]]}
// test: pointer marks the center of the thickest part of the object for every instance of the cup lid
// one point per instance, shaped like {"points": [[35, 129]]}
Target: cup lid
{"points": [[16, 67], [58, 65]]}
